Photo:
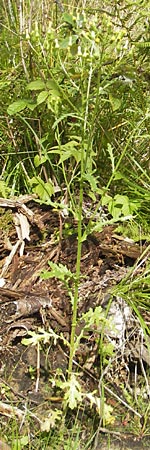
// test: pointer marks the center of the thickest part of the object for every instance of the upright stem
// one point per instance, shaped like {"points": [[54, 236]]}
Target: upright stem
{"points": [[79, 247], [78, 264]]}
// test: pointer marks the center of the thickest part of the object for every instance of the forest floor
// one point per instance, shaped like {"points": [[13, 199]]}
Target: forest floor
{"points": [[30, 303]]}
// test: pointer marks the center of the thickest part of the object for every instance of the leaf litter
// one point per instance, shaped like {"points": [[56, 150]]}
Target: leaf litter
{"points": [[30, 303]]}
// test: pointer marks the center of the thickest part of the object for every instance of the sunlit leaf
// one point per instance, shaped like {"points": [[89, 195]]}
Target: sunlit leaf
{"points": [[118, 176], [51, 420], [17, 106], [59, 271], [68, 18], [31, 105], [42, 189], [36, 85], [73, 394], [92, 180], [38, 161], [42, 97], [53, 86], [68, 41]]}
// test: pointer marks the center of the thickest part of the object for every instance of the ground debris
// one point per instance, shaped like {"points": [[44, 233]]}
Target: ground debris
{"points": [[29, 302]]}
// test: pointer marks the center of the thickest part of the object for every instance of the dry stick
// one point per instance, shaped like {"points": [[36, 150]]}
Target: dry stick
{"points": [[19, 203], [10, 257], [122, 401], [22, 27], [18, 394], [38, 367], [10, 411]]}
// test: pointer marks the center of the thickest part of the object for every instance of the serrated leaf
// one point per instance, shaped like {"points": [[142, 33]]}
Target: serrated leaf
{"points": [[59, 271], [17, 106], [92, 181], [99, 226], [42, 97], [73, 394], [50, 421], [36, 85]]}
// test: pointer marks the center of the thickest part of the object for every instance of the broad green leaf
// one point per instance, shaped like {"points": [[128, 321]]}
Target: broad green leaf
{"points": [[36, 85], [18, 444], [106, 199], [114, 211], [123, 202], [43, 190], [17, 106], [65, 155], [68, 18], [31, 105], [71, 153], [64, 116], [68, 41], [53, 86], [38, 161], [24, 440], [104, 410], [53, 96], [70, 145], [118, 176], [42, 97], [67, 151]]}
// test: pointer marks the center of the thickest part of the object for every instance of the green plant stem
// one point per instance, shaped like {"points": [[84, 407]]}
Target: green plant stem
{"points": [[78, 264], [79, 247]]}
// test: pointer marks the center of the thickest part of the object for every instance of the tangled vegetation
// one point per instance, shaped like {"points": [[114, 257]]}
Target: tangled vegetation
{"points": [[75, 110]]}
